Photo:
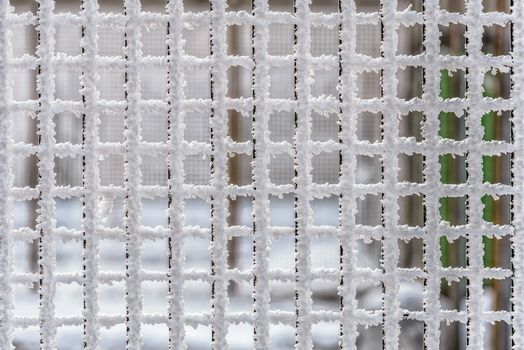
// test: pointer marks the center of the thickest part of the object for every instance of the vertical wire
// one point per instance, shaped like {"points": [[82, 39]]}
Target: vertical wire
{"points": [[6, 183], [133, 173], [302, 164], [347, 134], [517, 320], [261, 178], [46, 221], [175, 161], [390, 251], [475, 177], [432, 176], [219, 175], [91, 174]]}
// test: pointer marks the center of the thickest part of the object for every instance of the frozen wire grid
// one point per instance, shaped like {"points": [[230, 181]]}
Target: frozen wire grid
{"points": [[134, 110]]}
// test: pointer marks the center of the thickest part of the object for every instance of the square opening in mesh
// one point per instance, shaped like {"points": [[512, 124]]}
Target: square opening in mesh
{"points": [[281, 253], [497, 126], [453, 6], [411, 168], [369, 85], [453, 210], [281, 169], [69, 212], [239, 39], [199, 86], [154, 211], [281, 211], [197, 212], [68, 127], [411, 253], [111, 298], [368, 40], [152, 259], [282, 297], [325, 253], [324, 41], [497, 294], [452, 293], [497, 169], [497, 85], [496, 40], [369, 210], [369, 337], [452, 126], [153, 83], [197, 126], [154, 40], [325, 295], [67, 84], [325, 127], [69, 256], [411, 125], [282, 82], [112, 170], [240, 126], [452, 39], [410, 39], [326, 167], [197, 169], [68, 171], [325, 83], [111, 85], [67, 335], [497, 210], [240, 170], [154, 127], [369, 169], [453, 252], [67, 38], [497, 252], [410, 82], [281, 39], [411, 210], [369, 253], [239, 82], [240, 298], [70, 297], [411, 332], [25, 171], [282, 126], [197, 42], [110, 41], [369, 127], [325, 334], [155, 295], [197, 255], [452, 84], [453, 169], [112, 255], [411, 295]]}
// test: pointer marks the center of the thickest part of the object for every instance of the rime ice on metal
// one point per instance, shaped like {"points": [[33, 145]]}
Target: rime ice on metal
{"points": [[347, 105]]}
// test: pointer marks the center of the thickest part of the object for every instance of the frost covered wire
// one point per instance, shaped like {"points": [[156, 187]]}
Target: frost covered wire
{"points": [[219, 175], [348, 209], [517, 320], [175, 159], [133, 173], [303, 178], [46, 220], [390, 251], [432, 177], [91, 174], [6, 182], [475, 251], [261, 174]]}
